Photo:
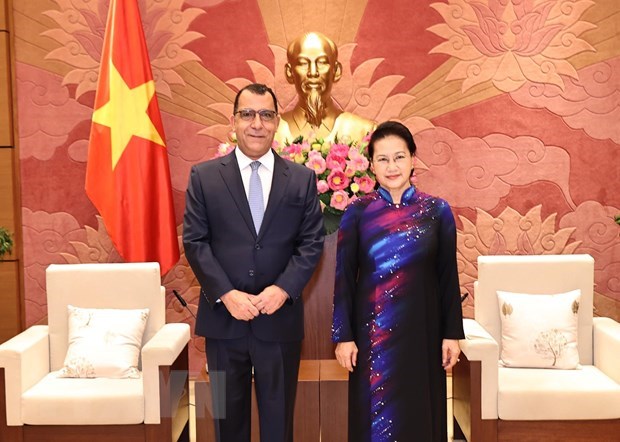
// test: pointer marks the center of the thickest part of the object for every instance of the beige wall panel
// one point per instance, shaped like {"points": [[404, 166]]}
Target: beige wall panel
{"points": [[9, 302], [6, 121], [7, 202]]}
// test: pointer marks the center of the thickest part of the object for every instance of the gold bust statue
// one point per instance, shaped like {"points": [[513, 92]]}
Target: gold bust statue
{"points": [[313, 68]]}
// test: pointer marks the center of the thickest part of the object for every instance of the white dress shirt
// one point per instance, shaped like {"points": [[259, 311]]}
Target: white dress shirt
{"points": [[265, 172]]}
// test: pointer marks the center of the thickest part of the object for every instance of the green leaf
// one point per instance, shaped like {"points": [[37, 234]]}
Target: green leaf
{"points": [[6, 242], [325, 198], [331, 220]]}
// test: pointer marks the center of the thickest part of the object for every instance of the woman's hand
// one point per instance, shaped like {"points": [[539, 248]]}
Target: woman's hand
{"points": [[450, 351], [346, 354]]}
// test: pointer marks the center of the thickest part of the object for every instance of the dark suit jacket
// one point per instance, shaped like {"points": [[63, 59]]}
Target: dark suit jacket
{"points": [[225, 253]]}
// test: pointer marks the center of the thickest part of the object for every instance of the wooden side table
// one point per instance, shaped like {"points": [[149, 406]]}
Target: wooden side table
{"points": [[306, 406]]}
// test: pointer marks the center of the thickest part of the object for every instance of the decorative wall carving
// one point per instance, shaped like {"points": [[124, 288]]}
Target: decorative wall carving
{"points": [[514, 107]]}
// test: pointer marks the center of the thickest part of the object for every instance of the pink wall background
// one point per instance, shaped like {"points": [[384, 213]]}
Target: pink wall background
{"points": [[514, 104]]}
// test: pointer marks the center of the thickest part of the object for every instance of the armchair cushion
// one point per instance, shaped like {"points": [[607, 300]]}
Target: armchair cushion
{"points": [[539, 331], [104, 342], [99, 401], [533, 394]]}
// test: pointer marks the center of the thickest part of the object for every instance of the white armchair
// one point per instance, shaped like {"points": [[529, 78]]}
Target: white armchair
{"points": [[493, 402], [38, 405]]}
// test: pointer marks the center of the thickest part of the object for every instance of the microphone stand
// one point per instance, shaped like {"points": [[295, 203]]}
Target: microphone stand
{"points": [[183, 302]]}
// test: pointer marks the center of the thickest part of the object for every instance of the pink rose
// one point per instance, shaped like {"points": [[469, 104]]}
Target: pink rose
{"points": [[340, 149], [321, 186], [293, 149], [357, 162], [337, 180], [335, 161], [352, 152], [366, 183], [339, 200], [316, 163], [349, 171]]}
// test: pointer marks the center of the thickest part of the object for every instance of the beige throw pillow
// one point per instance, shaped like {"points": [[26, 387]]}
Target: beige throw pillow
{"points": [[104, 343], [539, 331]]}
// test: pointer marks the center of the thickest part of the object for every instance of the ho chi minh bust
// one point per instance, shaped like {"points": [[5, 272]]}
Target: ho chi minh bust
{"points": [[313, 68]]}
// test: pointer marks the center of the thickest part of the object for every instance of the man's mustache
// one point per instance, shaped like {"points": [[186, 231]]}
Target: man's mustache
{"points": [[310, 86]]}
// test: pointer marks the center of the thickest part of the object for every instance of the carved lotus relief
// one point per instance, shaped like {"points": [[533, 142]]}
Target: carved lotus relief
{"points": [[510, 233], [510, 42], [97, 247], [81, 29]]}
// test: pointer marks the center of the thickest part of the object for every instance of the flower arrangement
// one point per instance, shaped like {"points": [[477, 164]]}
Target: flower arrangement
{"points": [[342, 169]]}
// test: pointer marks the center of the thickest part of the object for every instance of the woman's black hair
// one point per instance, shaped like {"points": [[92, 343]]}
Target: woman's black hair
{"points": [[391, 128]]}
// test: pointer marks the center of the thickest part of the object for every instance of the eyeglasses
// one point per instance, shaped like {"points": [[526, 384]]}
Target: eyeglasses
{"points": [[250, 114]]}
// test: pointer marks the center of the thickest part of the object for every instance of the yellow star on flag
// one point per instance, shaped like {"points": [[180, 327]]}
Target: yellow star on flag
{"points": [[126, 114]]}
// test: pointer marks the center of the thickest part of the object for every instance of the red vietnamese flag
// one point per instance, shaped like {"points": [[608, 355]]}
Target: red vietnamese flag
{"points": [[127, 175]]}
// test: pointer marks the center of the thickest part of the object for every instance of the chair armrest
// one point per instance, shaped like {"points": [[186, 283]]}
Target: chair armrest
{"points": [[606, 346], [26, 360], [479, 345], [161, 350]]}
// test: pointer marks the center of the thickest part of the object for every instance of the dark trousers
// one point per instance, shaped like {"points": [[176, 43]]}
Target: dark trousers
{"points": [[276, 366]]}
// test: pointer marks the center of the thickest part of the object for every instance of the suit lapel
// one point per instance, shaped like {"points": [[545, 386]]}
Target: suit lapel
{"points": [[232, 177], [281, 175]]}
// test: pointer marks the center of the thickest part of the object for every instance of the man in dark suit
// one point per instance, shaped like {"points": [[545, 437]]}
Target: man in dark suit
{"points": [[253, 234]]}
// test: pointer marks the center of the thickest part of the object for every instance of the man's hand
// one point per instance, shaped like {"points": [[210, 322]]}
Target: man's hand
{"points": [[239, 304], [270, 300]]}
